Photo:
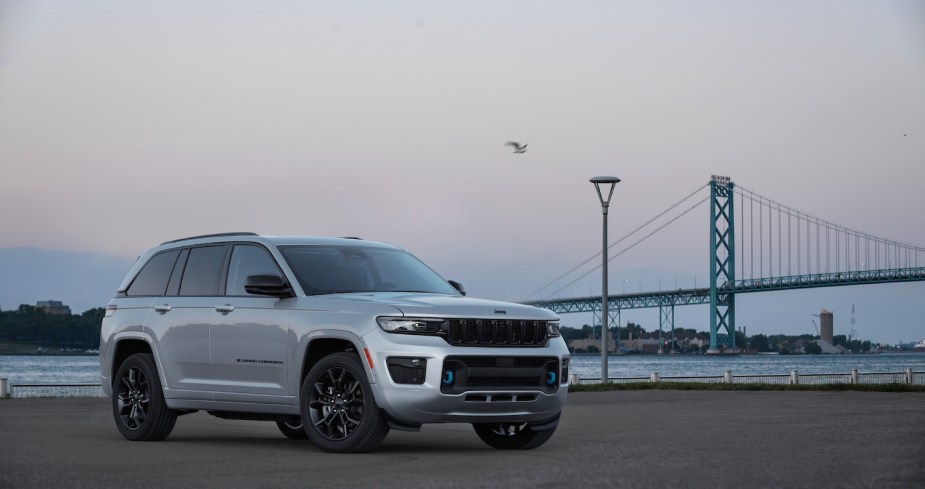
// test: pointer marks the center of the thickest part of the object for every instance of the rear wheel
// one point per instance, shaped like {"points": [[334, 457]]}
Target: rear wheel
{"points": [[512, 436], [138, 401], [337, 405], [292, 428]]}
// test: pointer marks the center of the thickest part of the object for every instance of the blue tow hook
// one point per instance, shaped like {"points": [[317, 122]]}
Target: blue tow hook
{"points": [[448, 377], [550, 378]]}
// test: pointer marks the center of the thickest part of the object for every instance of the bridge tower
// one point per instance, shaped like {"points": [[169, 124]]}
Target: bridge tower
{"points": [[614, 313], [722, 265]]}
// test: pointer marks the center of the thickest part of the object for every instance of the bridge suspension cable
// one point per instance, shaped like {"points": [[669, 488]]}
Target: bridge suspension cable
{"points": [[775, 240], [624, 238]]}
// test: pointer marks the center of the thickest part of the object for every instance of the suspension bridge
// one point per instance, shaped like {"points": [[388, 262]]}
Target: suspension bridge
{"points": [[776, 246]]}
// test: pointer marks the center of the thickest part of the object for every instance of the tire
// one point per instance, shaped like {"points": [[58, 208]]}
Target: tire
{"points": [[292, 428], [512, 436], [338, 409], [138, 401]]}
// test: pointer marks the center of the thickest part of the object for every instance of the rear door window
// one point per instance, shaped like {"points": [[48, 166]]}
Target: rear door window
{"points": [[203, 271], [153, 277]]}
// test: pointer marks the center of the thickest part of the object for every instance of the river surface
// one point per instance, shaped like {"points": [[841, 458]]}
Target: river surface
{"points": [[37, 369]]}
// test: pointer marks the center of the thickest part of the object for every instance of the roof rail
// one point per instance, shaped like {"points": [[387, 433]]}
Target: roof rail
{"points": [[210, 236], [351, 237]]}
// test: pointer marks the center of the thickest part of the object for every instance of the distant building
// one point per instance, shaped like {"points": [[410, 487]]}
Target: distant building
{"points": [[826, 326], [586, 343], [53, 307]]}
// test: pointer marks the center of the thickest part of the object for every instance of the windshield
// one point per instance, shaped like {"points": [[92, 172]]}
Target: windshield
{"points": [[341, 269]]}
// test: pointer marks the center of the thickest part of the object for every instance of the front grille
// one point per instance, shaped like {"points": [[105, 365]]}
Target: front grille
{"points": [[496, 332], [478, 382], [518, 362], [486, 373], [514, 397]]}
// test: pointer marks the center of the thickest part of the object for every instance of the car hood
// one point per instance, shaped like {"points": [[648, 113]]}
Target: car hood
{"points": [[448, 306]]}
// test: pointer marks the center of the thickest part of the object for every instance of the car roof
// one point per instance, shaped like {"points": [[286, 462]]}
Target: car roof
{"points": [[270, 240], [247, 237]]}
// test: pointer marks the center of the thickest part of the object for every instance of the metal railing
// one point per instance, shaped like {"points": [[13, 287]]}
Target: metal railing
{"points": [[854, 377], [20, 391]]}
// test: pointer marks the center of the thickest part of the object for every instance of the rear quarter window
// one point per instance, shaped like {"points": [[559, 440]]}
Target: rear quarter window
{"points": [[153, 277]]}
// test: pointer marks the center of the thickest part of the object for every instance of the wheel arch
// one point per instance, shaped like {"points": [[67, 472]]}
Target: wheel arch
{"points": [[333, 342], [125, 348]]}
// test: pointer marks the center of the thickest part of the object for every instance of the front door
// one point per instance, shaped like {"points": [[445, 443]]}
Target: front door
{"points": [[249, 333]]}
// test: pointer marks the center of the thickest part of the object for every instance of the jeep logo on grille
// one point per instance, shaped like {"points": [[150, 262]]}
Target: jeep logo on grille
{"points": [[500, 311]]}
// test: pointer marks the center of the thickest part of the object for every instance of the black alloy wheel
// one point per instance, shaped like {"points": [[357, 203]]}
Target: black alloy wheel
{"points": [[132, 399], [338, 407], [138, 401]]}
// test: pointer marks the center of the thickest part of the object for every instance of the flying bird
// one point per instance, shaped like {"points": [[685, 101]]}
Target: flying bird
{"points": [[517, 147]]}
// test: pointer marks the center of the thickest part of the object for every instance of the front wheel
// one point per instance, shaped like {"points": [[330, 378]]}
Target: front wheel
{"points": [[337, 406], [138, 401], [512, 436]]}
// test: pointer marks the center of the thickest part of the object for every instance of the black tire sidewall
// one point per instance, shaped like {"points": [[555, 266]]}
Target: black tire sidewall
{"points": [[372, 428], [160, 419]]}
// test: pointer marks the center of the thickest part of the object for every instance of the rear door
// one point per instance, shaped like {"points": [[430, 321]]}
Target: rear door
{"points": [[180, 321]]}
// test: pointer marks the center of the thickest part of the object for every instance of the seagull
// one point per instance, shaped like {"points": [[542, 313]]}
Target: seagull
{"points": [[517, 147]]}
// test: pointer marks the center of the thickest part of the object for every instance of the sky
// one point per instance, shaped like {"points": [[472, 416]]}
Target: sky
{"points": [[126, 124]]}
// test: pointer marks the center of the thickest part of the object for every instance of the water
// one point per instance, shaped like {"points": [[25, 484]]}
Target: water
{"points": [[50, 369], [589, 366], [36, 369]]}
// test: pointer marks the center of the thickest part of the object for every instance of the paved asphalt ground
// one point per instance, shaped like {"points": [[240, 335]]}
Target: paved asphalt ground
{"points": [[631, 439]]}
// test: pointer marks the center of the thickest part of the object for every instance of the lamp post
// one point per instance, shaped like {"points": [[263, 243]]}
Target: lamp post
{"points": [[605, 317]]}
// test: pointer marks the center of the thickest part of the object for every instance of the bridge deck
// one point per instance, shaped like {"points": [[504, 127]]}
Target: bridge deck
{"points": [[686, 297]]}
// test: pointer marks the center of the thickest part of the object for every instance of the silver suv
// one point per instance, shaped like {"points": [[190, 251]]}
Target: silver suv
{"points": [[335, 339]]}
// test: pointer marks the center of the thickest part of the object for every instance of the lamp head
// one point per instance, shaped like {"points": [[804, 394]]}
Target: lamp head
{"points": [[612, 181]]}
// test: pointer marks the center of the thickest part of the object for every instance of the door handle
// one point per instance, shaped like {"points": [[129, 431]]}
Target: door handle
{"points": [[163, 308], [224, 309]]}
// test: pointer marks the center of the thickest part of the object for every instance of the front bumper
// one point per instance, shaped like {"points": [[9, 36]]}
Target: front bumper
{"points": [[517, 384]]}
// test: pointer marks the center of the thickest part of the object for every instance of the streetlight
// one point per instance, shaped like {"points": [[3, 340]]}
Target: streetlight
{"points": [[605, 203]]}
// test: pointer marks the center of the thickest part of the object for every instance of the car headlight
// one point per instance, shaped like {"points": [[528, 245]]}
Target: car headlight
{"points": [[410, 325], [552, 328]]}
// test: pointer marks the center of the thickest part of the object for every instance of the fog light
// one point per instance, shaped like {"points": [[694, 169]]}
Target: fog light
{"points": [[407, 370]]}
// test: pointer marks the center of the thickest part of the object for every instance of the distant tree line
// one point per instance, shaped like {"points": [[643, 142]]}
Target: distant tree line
{"points": [[29, 324], [783, 344]]}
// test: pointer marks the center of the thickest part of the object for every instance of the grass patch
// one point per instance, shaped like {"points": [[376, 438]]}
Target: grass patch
{"points": [[29, 348], [703, 386]]}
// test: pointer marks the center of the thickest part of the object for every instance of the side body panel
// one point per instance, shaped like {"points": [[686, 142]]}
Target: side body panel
{"points": [[129, 317], [249, 360], [181, 337]]}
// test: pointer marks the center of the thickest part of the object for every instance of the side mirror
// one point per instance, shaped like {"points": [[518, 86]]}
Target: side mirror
{"points": [[271, 285], [458, 286]]}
